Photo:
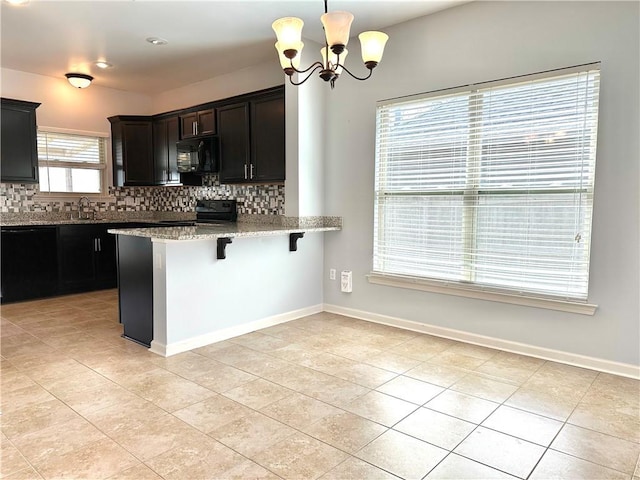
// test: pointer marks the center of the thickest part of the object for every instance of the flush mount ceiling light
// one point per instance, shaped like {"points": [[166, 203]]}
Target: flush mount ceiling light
{"points": [[79, 80], [156, 41], [336, 27], [17, 2]]}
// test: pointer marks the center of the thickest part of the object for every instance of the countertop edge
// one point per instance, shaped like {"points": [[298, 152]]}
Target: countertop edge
{"points": [[8, 221], [164, 234]]}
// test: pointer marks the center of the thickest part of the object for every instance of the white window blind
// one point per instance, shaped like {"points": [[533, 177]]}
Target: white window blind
{"points": [[492, 186], [71, 163]]}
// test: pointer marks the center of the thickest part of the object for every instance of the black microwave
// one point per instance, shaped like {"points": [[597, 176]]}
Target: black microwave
{"points": [[198, 155]]}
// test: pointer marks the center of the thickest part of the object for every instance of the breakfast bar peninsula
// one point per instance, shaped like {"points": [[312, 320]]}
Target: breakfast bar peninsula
{"points": [[184, 287]]}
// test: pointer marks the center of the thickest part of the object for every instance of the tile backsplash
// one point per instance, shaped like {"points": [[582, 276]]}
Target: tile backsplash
{"points": [[252, 199]]}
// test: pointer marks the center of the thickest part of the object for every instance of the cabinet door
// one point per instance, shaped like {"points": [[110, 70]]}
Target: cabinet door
{"points": [[29, 263], [137, 143], [233, 131], [135, 287], [165, 152], [196, 124], [207, 122], [160, 152], [188, 125], [173, 134], [19, 154], [77, 245], [105, 258], [267, 139]]}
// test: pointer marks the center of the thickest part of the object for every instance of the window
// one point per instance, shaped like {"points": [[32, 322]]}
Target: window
{"points": [[490, 187], [71, 163]]}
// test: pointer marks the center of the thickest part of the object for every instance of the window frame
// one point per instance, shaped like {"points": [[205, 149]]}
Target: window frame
{"points": [[105, 170], [472, 289]]}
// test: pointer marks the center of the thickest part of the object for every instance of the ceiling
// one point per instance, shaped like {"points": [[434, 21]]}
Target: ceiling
{"points": [[206, 38]]}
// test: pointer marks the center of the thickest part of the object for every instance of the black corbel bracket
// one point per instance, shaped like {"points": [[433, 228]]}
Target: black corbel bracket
{"points": [[293, 241], [222, 245]]}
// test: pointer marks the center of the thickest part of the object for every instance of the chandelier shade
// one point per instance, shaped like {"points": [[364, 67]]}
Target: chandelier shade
{"points": [[286, 62], [288, 31], [334, 60], [337, 26], [372, 46]]}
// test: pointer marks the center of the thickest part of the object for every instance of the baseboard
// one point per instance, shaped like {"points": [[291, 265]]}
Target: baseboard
{"points": [[226, 333], [158, 348], [616, 368]]}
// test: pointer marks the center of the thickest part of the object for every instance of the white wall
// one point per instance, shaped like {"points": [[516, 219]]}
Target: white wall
{"points": [[483, 41], [197, 296], [250, 79], [306, 109], [87, 109], [64, 106]]}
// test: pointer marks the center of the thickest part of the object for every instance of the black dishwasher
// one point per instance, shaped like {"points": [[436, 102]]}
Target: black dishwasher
{"points": [[29, 263]]}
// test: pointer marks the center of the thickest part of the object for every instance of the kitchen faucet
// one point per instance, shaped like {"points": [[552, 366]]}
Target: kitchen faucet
{"points": [[88, 202]]}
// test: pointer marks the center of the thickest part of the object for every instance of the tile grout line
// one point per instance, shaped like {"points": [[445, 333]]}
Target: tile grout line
{"points": [[341, 408]]}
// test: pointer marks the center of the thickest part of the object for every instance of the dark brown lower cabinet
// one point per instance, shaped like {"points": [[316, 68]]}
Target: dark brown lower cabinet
{"points": [[86, 257], [29, 263], [135, 287], [43, 261]]}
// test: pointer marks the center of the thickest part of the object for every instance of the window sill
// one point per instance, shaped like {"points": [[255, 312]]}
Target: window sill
{"points": [[72, 197], [470, 292]]}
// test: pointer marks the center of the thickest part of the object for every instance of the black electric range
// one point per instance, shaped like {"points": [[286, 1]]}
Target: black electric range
{"points": [[208, 212], [216, 212]]}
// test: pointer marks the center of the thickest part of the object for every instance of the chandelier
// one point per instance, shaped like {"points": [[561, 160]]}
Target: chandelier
{"points": [[336, 27]]}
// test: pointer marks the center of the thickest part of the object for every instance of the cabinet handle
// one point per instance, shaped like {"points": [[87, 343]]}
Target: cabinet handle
{"points": [[245, 171], [194, 128], [99, 244], [95, 244], [251, 177]]}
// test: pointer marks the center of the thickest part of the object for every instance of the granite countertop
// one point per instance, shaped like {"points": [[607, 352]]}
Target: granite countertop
{"points": [[14, 221], [75, 221], [248, 225], [205, 232]]}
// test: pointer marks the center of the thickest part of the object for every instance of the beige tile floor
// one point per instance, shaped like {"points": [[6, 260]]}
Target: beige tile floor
{"points": [[324, 396]]}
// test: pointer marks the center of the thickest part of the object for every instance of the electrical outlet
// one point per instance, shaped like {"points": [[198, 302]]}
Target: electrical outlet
{"points": [[346, 281], [332, 274]]}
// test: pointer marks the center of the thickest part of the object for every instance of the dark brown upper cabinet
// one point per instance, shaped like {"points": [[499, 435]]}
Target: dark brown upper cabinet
{"points": [[165, 154], [267, 138], [132, 150], [250, 128], [235, 143], [195, 124], [252, 139], [19, 154]]}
